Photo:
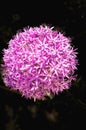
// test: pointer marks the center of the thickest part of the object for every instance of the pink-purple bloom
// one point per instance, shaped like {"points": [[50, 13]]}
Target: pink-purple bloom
{"points": [[39, 61]]}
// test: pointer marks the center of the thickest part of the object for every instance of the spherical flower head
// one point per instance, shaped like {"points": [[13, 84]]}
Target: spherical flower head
{"points": [[39, 61]]}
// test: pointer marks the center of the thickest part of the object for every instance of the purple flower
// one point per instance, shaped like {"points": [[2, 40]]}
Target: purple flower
{"points": [[39, 61]]}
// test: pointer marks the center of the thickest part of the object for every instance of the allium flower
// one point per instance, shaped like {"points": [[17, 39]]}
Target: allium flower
{"points": [[39, 61]]}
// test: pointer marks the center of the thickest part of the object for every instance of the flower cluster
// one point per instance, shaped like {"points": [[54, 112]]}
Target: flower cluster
{"points": [[39, 61]]}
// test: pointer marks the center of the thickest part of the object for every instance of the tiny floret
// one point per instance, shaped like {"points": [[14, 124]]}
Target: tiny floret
{"points": [[39, 61]]}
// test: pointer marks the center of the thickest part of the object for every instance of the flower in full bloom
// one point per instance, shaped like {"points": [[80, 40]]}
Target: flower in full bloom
{"points": [[39, 61]]}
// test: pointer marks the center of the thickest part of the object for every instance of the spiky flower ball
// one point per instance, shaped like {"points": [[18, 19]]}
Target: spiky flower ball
{"points": [[39, 61]]}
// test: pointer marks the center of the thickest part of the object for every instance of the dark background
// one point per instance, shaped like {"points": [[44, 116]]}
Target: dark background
{"points": [[66, 110]]}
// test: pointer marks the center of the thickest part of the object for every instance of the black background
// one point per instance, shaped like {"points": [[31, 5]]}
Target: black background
{"points": [[68, 109]]}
